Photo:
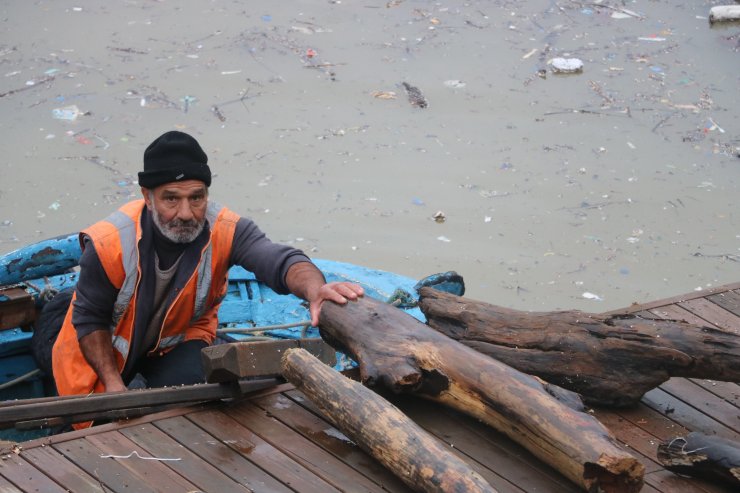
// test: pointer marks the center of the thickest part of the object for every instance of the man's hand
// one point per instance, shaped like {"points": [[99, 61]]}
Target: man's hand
{"points": [[306, 281], [338, 292]]}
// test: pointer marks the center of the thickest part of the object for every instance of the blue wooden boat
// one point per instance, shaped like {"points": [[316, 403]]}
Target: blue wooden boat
{"points": [[30, 276]]}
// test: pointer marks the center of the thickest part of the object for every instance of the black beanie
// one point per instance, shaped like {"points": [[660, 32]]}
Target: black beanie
{"points": [[174, 156]]}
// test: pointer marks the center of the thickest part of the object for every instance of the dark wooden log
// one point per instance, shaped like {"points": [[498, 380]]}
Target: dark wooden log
{"points": [[400, 353], [235, 360], [610, 360], [711, 457], [381, 429]]}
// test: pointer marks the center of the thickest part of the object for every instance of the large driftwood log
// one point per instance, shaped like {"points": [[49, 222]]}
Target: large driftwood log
{"points": [[400, 353], [379, 428], [609, 360], [710, 457]]}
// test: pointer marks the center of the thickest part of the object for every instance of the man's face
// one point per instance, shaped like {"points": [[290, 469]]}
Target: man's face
{"points": [[178, 209]]}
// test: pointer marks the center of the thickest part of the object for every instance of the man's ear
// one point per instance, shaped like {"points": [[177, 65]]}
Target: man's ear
{"points": [[147, 197]]}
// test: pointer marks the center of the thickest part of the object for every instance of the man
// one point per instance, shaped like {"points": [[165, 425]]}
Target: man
{"points": [[153, 274]]}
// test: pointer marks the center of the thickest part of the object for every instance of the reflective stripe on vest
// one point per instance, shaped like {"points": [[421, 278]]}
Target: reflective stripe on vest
{"points": [[120, 344], [171, 341], [130, 256]]}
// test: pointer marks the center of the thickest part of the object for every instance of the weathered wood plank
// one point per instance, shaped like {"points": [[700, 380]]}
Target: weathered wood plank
{"points": [[219, 455], [633, 436], [108, 472], [512, 468], [64, 472], [686, 415], [728, 391], [295, 410], [7, 487], [192, 467], [310, 455], [24, 475], [675, 299], [729, 300], [713, 313], [704, 401], [668, 482], [264, 455], [155, 473], [675, 312]]}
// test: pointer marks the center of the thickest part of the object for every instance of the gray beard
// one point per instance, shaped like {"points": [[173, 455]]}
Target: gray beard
{"points": [[176, 230]]}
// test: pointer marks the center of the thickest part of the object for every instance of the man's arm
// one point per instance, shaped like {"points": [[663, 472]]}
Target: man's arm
{"points": [[306, 281], [98, 351]]}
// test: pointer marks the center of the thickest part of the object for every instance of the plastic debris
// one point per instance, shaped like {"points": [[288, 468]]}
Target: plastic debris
{"points": [[566, 65], [444, 239], [439, 217], [724, 13], [310, 53], [55, 206], [67, 113], [592, 296], [383, 94], [454, 84]]}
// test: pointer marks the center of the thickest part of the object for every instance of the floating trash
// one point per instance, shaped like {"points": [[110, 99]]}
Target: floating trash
{"points": [[592, 296], [383, 94], [454, 84], [724, 13], [67, 113], [444, 239], [416, 98], [439, 216], [566, 65]]}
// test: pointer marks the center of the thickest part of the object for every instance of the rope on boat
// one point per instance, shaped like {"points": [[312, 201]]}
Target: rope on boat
{"points": [[304, 323], [20, 379]]}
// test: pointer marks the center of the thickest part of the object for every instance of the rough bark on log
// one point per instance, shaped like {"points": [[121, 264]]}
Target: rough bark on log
{"points": [[710, 457], [400, 353], [381, 429], [609, 360]]}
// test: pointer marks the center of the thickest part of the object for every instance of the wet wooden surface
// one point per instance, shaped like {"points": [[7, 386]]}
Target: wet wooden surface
{"points": [[277, 441]]}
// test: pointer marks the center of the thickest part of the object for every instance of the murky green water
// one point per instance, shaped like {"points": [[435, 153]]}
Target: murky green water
{"points": [[619, 183]]}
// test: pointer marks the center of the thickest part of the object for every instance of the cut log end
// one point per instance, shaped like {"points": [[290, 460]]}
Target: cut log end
{"points": [[614, 475]]}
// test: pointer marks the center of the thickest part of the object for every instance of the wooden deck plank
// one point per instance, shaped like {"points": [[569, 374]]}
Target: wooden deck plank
{"points": [[219, 455], [310, 455], [264, 455], [668, 482], [192, 467], [686, 415], [26, 477], [728, 391], [675, 312], [729, 300], [111, 473], [645, 446], [7, 487], [704, 401], [713, 313], [515, 468], [64, 472], [153, 472], [636, 307], [289, 408], [636, 439]]}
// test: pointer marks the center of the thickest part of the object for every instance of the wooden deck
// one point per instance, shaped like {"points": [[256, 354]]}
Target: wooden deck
{"points": [[275, 441]]}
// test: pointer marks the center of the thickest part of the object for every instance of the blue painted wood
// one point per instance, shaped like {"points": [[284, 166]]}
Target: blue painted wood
{"points": [[45, 258]]}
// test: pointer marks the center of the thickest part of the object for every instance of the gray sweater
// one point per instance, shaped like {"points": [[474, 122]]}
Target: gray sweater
{"points": [[251, 249]]}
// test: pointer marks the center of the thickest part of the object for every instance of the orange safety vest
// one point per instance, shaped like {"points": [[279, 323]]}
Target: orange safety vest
{"points": [[192, 315]]}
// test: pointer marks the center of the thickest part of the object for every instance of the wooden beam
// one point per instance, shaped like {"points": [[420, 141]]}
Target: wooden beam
{"points": [[232, 361], [381, 429], [398, 352], [611, 360]]}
